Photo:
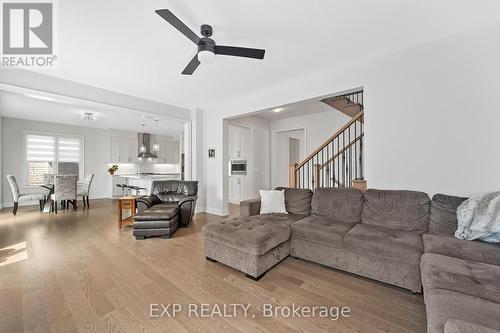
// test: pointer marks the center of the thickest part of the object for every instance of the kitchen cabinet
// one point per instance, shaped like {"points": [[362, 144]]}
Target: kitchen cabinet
{"points": [[239, 142], [123, 150], [133, 150], [169, 151], [239, 189]]}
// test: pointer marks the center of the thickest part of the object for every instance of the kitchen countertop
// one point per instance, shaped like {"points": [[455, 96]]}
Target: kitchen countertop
{"points": [[147, 176]]}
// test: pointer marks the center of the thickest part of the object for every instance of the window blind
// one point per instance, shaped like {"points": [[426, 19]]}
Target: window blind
{"points": [[40, 148], [68, 149]]}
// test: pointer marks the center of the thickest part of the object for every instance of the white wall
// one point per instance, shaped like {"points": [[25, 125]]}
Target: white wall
{"points": [[318, 127], [198, 157], [259, 164], [96, 155], [431, 121]]}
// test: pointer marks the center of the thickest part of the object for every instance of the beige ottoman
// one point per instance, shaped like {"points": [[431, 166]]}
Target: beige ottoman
{"points": [[252, 245]]}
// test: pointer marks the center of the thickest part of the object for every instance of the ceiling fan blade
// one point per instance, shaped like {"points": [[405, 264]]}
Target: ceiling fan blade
{"points": [[168, 16], [191, 67], [240, 52]]}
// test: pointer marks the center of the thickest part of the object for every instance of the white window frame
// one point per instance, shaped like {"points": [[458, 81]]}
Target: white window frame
{"points": [[56, 136]]}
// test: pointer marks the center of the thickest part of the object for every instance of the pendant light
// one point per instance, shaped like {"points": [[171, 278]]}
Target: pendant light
{"points": [[156, 146], [143, 146]]}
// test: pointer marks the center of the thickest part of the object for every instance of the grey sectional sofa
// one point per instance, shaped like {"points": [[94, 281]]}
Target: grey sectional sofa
{"points": [[398, 237]]}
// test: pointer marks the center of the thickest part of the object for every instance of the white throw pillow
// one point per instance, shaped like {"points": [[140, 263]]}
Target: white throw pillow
{"points": [[272, 201]]}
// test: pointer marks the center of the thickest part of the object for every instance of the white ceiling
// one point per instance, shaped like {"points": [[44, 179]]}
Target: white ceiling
{"points": [[62, 111], [123, 46], [295, 110]]}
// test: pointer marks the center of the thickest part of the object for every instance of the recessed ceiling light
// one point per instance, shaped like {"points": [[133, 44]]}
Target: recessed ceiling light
{"points": [[278, 109]]}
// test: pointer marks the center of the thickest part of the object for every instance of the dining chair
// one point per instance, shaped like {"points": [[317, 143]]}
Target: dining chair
{"points": [[19, 196], [65, 189], [84, 189], [48, 179]]}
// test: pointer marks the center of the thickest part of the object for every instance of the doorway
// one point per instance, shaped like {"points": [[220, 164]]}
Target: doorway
{"points": [[287, 147]]}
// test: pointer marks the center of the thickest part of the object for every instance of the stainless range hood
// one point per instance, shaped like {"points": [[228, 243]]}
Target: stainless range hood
{"points": [[145, 151]]}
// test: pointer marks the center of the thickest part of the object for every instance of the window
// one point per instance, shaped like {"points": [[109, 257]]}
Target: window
{"points": [[51, 154]]}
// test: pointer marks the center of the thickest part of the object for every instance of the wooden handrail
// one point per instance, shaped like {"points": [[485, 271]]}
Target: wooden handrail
{"points": [[343, 150], [327, 142]]}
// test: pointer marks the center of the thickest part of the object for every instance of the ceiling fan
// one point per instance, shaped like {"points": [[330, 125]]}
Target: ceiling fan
{"points": [[207, 48]]}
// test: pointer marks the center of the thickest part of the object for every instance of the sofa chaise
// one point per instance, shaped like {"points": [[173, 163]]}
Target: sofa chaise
{"points": [[398, 237]]}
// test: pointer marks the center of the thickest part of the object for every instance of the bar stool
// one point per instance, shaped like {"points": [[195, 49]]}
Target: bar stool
{"points": [[123, 187], [137, 189]]}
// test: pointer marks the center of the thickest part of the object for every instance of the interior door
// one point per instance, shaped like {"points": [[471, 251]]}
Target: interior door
{"points": [[294, 150]]}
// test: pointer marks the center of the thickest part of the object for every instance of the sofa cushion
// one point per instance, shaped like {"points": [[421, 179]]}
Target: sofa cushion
{"points": [[462, 276], [404, 210], [158, 212], [340, 204], [385, 243], [184, 187], [297, 201], [462, 249], [254, 235], [453, 325], [443, 217], [441, 305], [171, 198], [272, 202], [321, 230]]}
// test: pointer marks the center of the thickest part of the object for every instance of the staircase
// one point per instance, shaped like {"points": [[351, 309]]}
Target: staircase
{"points": [[339, 161]]}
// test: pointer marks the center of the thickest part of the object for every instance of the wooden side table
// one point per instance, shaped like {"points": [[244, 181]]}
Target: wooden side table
{"points": [[128, 203]]}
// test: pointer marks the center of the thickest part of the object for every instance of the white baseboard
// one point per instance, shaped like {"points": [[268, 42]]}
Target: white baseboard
{"points": [[200, 209], [217, 211]]}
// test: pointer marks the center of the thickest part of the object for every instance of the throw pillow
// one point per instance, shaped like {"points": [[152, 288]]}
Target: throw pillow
{"points": [[272, 201]]}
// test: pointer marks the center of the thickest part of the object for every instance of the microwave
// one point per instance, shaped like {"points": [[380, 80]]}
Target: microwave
{"points": [[238, 167]]}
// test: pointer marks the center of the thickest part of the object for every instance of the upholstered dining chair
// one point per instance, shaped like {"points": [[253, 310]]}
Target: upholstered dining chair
{"points": [[84, 189], [19, 196], [64, 190], [48, 179]]}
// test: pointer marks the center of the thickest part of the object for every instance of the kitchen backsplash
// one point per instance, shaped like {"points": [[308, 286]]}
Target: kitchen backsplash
{"points": [[133, 168]]}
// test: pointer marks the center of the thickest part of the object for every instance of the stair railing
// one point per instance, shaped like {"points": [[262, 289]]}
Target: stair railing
{"points": [[336, 163]]}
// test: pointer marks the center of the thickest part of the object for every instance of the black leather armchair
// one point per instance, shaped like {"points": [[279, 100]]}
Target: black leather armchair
{"points": [[173, 192]]}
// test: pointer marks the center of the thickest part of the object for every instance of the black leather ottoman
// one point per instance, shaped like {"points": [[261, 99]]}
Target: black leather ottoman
{"points": [[158, 220]]}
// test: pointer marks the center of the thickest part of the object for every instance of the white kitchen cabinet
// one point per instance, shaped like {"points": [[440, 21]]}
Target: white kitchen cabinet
{"points": [[115, 149], [123, 150], [133, 150], [163, 150], [239, 189], [174, 156], [169, 151], [239, 142]]}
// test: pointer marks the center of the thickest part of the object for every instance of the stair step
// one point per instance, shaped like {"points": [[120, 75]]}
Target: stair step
{"points": [[337, 102], [351, 110], [344, 105]]}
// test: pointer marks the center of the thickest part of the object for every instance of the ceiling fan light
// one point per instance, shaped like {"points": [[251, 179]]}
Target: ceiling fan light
{"points": [[206, 57]]}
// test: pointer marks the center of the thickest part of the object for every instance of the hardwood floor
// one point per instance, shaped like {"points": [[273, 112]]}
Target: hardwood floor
{"points": [[76, 272]]}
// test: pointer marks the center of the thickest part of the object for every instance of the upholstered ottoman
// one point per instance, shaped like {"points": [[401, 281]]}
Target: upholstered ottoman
{"points": [[252, 245], [159, 220]]}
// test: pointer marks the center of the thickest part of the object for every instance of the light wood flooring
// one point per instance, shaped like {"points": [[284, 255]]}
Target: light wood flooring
{"points": [[76, 272]]}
